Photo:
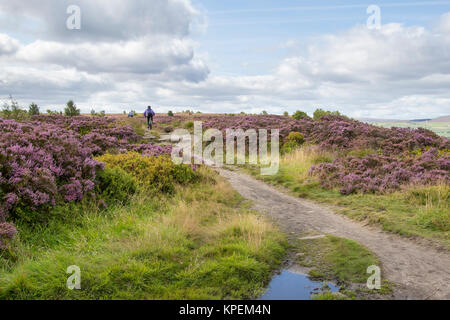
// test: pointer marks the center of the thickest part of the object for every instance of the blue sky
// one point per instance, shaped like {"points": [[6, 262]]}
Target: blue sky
{"points": [[247, 37], [229, 56]]}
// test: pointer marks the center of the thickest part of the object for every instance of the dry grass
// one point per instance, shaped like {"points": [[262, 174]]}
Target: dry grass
{"points": [[201, 243], [298, 163]]}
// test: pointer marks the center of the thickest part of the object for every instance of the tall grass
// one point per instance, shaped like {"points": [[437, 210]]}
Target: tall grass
{"points": [[297, 163], [433, 203], [201, 243], [413, 211]]}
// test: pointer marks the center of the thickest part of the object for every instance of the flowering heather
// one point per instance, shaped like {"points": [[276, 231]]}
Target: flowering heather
{"points": [[7, 231], [84, 125], [401, 155], [50, 160], [336, 132], [151, 150], [40, 163], [245, 122], [339, 133], [379, 173]]}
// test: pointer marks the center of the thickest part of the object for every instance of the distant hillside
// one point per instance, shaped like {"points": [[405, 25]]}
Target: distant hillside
{"points": [[373, 120], [441, 119], [377, 120]]}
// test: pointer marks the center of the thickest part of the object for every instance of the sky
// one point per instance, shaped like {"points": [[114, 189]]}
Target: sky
{"points": [[229, 56]]}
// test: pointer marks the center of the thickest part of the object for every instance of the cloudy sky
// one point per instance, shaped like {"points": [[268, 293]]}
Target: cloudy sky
{"points": [[229, 56]]}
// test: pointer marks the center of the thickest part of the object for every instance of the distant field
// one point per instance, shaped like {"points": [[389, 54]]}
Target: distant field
{"points": [[441, 128]]}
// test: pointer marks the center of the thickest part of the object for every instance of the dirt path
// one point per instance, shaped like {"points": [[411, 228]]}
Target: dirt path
{"points": [[420, 272]]}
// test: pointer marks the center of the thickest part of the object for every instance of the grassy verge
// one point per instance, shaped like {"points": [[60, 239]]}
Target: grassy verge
{"points": [[342, 260], [201, 243], [415, 211], [334, 258]]}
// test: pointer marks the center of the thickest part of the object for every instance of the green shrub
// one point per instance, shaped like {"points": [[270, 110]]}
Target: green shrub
{"points": [[319, 113], [298, 115], [293, 141], [158, 174], [296, 137], [12, 110], [189, 125], [33, 110], [71, 109], [115, 184], [170, 114]]}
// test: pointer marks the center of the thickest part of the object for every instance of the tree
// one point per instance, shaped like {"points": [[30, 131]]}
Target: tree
{"points": [[33, 110], [12, 110], [71, 109], [264, 113], [286, 114], [170, 114], [300, 115], [53, 112], [93, 113], [319, 113]]}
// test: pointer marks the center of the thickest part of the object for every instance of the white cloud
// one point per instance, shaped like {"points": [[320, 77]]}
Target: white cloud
{"points": [[105, 20], [8, 45], [398, 71], [147, 55]]}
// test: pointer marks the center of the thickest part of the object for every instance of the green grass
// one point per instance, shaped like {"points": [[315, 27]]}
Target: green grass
{"points": [[202, 243], [329, 296], [342, 260], [441, 128], [334, 258], [416, 211]]}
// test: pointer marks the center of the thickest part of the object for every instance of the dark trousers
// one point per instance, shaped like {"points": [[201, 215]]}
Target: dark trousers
{"points": [[150, 122]]}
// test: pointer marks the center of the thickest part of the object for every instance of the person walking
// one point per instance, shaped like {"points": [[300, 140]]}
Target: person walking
{"points": [[149, 114]]}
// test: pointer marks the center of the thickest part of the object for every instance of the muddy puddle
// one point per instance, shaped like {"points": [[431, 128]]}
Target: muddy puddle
{"points": [[292, 284]]}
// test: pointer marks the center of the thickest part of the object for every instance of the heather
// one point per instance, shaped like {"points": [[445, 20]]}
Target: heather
{"points": [[379, 173], [368, 158], [388, 159], [412, 210], [199, 243], [49, 160], [335, 132]]}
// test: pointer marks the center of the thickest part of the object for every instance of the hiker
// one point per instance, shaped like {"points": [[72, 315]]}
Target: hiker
{"points": [[149, 113], [131, 114]]}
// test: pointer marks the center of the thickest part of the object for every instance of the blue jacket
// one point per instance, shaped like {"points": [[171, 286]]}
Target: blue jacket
{"points": [[149, 113]]}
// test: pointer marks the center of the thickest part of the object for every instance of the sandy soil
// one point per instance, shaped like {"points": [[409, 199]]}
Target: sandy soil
{"points": [[419, 271]]}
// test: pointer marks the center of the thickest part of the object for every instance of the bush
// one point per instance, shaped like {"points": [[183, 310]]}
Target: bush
{"points": [[12, 110], [170, 114], [296, 137], [189, 125], [319, 113], [158, 174], [298, 115], [293, 141], [115, 184], [71, 109], [33, 110]]}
